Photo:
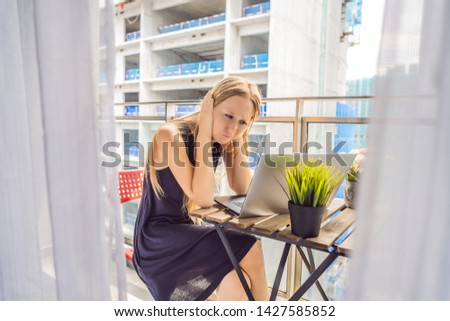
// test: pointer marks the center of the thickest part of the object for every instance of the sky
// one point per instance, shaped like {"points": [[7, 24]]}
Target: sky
{"points": [[362, 58]]}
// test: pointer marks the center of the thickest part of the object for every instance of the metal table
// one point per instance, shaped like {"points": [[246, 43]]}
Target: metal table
{"points": [[335, 238]]}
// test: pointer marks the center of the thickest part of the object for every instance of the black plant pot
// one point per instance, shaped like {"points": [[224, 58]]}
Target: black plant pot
{"points": [[305, 221]]}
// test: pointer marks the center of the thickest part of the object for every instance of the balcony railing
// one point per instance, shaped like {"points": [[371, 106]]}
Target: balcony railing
{"points": [[299, 121]]}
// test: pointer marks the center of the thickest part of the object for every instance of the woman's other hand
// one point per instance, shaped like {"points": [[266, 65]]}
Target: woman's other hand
{"points": [[239, 141], [206, 115]]}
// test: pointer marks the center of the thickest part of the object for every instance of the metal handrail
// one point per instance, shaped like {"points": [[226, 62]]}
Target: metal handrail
{"points": [[305, 121], [304, 98], [300, 122]]}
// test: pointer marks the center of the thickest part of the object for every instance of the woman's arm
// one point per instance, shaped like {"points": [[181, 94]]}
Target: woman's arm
{"points": [[197, 182], [203, 176], [238, 169]]}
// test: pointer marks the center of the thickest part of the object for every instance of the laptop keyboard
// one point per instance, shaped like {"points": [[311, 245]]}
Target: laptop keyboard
{"points": [[240, 204]]}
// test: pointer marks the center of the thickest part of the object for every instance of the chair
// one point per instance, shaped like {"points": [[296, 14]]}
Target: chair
{"points": [[130, 188], [130, 185]]}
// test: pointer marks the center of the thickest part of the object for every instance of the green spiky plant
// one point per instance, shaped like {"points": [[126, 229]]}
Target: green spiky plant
{"points": [[353, 174], [357, 167], [311, 186]]}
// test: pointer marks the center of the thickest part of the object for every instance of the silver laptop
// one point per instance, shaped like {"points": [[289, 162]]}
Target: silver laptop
{"points": [[265, 196]]}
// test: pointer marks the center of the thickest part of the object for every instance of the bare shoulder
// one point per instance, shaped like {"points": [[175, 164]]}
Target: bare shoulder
{"points": [[164, 146], [166, 133]]}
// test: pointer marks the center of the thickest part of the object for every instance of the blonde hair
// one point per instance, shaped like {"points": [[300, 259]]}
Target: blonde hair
{"points": [[226, 88]]}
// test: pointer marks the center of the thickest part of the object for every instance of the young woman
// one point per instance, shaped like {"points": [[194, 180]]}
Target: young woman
{"points": [[179, 260]]}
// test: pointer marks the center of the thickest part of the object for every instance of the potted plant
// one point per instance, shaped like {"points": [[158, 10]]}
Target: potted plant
{"points": [[352, 178], [310, 186]]}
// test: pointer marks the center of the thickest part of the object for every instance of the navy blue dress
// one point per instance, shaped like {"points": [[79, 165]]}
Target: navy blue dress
{"points": [[175, 258]]}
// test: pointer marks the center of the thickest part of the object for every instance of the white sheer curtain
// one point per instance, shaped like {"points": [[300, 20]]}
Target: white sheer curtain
{"points": [[60, 236], [402, 250]]}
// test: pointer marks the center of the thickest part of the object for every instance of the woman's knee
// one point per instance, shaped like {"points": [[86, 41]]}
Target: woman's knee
{"points": [[232, 279], [231, 287]]}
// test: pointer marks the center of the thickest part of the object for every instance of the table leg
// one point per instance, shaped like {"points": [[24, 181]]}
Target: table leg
{"points": [[311, 258], [311, 267], [276, 283], [314, 276], [234, 261]]}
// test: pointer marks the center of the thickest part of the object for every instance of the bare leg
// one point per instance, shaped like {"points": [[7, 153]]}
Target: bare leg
{"points": [[252, 266], [230, 289]]}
